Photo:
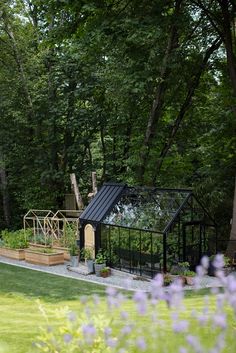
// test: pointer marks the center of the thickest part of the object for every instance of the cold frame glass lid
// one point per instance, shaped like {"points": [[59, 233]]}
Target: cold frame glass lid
{"points": [[146, 208]]}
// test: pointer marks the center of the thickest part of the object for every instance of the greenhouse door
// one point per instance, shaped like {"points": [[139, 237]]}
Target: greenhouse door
{"points": [[89, 238], [194, 245]]}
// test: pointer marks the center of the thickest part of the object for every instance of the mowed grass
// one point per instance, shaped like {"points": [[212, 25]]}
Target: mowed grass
{"points": [[20, 318]]}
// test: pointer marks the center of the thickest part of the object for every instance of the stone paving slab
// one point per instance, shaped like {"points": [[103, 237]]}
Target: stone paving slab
{"points": [[118, 279]]}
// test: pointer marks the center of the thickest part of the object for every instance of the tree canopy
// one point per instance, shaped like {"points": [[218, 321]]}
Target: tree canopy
{"points": [[142, 92]]}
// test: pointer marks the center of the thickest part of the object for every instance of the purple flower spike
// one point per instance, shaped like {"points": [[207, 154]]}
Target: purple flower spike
{"points": [[218, 261], [231, 284], [205, 262], [219, 320], [126, 330], [67, 338], [180, 326], [140, 296], [89, 330], [158, 280], [141, 344], [107, 332], [183, 350], [194, 342], [111, 342], [200, 271], [124, 315], [111, 291]]}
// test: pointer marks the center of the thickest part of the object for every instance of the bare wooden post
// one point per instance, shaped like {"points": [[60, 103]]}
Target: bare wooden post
{"points": [[94, 183], [75, 188]]}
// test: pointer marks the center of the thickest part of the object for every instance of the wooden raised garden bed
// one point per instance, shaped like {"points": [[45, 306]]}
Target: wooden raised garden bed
{"points": [[38, 257], [65, 251], [17, 254]]}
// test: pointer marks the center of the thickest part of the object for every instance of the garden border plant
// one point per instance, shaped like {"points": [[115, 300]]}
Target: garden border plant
{"points": [[14, 243], [145, 330]]}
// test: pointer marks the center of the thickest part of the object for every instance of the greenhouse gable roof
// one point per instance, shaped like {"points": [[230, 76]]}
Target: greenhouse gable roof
{"points": [[152, 209]]}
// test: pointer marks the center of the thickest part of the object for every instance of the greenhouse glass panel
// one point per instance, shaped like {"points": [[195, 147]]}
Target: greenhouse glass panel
{"points": [[147, 209]]}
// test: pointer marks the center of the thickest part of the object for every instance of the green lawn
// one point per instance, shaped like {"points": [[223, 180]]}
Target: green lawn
{"points": [[20, 318], [19, 314]]}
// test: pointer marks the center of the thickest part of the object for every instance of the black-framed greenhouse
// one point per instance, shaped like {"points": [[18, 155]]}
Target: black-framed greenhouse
{"points": [[147, 230]]}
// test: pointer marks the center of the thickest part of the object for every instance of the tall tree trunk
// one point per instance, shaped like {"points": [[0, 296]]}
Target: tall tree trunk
{"points": [[4, 190], [104, 153], [231, 248], [158, 102], [228, 41], [228, 22]]}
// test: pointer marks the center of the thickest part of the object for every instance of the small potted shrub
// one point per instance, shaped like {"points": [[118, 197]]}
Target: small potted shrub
{"points": [[100, 262], [74, 259], [87, 254], [180, 269], [189, 276], [105, 272], [167, 279]]}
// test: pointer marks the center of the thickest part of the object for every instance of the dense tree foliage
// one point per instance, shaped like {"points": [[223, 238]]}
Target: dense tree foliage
{"points": [[142, 92]]}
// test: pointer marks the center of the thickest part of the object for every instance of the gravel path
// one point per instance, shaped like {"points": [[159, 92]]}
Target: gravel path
{"points": [[118, 279]]}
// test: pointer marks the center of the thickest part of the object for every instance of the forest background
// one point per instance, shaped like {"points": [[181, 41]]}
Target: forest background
{"points": [[142, 92]]}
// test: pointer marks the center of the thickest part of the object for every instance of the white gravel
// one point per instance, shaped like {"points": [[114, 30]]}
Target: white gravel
{"points": [[118, 279]]}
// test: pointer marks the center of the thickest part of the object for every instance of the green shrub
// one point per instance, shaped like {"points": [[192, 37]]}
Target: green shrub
{"points": [[16, 240]]}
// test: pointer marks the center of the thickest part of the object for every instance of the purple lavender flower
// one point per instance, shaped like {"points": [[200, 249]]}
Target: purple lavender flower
{"points": [[158, 280], [107, 332], [140, 296], [218, 261], [219, 320], [180, 326], [141, 299], [111, 342], [200, 270], [111, 291], [231, 284], [67, 338], [183, 350], [126, 330], [141, 344], [194, 343], [89, 331], [205, 262], [124, 315]]}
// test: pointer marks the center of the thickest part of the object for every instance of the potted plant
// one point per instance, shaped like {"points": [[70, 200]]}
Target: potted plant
{"points": [[87, 254], [13, 244], [105, 272], [74, 254], [70, 242], [189, 277], [100, 262], [167, 279], [180, 269]]}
